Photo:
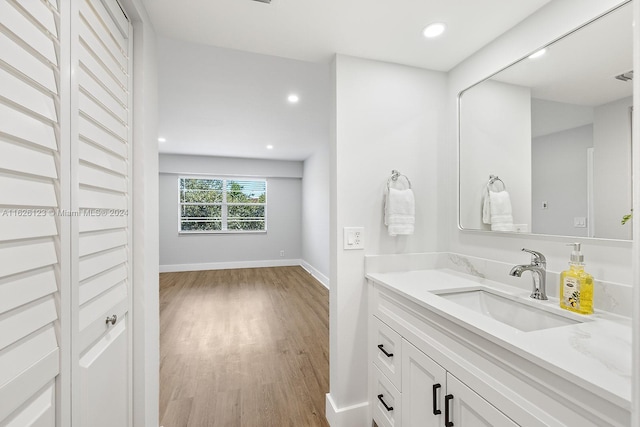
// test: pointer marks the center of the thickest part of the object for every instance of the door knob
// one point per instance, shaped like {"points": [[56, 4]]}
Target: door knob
{"points": [[112, 319]]}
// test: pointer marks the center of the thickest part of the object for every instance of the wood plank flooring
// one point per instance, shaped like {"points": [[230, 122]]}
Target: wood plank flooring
{"points": [[244, 347]]}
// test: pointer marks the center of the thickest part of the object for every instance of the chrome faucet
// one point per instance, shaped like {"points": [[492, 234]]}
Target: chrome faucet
{"points": [[538, 269]]}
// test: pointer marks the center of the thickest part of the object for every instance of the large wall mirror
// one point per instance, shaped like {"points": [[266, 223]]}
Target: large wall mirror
{"points": [[555, 128]]}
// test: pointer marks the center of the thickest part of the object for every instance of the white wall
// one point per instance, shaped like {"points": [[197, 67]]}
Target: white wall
{"points": [[315, 215], [559, 178], [551, 116], [183, 164], [495, 139], [386, 117], [606, 260], [184, 252], [612, 169]]}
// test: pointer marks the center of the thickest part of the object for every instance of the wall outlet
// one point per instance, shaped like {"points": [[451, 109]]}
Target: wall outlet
{"points": [[282, 253], [353, 238], [580, 222]]}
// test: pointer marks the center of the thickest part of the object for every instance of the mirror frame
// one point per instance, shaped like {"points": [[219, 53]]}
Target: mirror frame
{"points": [[458, 132]]}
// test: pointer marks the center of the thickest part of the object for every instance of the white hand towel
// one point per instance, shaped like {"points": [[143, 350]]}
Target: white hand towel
{"points": [[501, 213], [486, 207], [399, 212]]}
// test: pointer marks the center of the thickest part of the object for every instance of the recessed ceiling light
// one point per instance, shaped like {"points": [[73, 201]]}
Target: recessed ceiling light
{"points": [[293, 98], [538, 54], [269, 147], [434, 30], [162, 139]]}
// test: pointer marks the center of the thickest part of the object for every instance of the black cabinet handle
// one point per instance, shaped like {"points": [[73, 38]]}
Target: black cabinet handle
{"points": [[447, 414], [381, 347], [436, 411], [387, 407]]}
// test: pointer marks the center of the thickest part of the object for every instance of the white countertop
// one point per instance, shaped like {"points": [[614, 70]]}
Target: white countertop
{"points": [[595, 354]]}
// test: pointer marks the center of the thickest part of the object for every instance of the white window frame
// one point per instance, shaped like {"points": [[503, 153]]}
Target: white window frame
{"points": [[224, 205]]}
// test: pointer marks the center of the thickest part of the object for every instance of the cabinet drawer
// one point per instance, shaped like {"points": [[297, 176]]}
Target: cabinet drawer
{"points": [[387, 401], [387, 347]]}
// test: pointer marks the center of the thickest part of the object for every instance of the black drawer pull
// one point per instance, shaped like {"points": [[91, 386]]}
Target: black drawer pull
{"points": [[447, 414], [436, 411], [381, 347], [387, 407]]}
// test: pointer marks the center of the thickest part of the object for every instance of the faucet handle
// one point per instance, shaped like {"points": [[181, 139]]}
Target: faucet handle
{"points": [[536, 257]]}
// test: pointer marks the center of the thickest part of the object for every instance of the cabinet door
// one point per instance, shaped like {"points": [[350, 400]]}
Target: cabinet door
{"points": [[467, 409], [423, 389]]}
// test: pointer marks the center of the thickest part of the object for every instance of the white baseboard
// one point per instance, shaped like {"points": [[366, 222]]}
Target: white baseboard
{"points": [[315, 273], [350, 416], [171, 268]]}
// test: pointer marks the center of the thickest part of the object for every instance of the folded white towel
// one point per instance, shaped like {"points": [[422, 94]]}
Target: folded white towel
{"points": [[500, 211], [486, 207], [399, 211]]}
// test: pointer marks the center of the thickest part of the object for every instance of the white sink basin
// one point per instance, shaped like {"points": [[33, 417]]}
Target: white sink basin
{"points": [[521, 315]]}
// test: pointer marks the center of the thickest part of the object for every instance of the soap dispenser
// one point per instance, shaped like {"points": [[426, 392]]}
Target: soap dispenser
{"points": [[576, 285]]}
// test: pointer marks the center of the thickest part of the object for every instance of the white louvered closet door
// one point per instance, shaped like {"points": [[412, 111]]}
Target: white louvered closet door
{"points": [[101, 237], [30, 240], [65, 195]]}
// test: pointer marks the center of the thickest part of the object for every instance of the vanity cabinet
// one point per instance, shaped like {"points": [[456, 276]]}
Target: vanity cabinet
{"points": [[425, 363], [410, 389]]}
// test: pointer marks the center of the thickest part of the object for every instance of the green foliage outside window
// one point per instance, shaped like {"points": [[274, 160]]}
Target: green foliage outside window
{"points": [[211, 204], [626, 218]]}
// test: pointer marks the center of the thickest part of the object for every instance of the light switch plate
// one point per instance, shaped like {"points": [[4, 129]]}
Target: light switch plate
{"points": [[580, 222], [353, 238]]}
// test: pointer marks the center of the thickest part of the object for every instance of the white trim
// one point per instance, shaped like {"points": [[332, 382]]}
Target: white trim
{"points": [[324, 280], [172, 268], [145, 215], [350, 416]]}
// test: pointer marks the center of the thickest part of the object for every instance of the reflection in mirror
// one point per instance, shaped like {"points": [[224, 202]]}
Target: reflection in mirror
{"points": [[556, 129]]}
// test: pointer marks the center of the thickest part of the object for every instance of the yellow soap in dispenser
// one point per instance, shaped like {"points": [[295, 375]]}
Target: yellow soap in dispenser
{"points": [[576, 285]]}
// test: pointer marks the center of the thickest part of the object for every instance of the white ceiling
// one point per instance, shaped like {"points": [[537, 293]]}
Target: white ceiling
{"points": [[314, 30], [580, 68], [222, 102], [299, 30]]}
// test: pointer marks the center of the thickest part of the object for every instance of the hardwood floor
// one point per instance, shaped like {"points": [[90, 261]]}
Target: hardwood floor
{"points": [[245, 347]]}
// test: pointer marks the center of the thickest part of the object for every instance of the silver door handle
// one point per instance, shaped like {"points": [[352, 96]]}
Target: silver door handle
{"points": [[112, 319]]}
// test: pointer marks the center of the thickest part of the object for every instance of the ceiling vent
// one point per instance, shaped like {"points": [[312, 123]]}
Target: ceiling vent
{"points": [[625, 77]]}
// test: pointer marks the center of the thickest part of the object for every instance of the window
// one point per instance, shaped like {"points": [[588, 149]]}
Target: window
{"points": [[220, 205]]}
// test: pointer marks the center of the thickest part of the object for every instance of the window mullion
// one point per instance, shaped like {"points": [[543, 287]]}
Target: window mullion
{"points": [[224, 204]]}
